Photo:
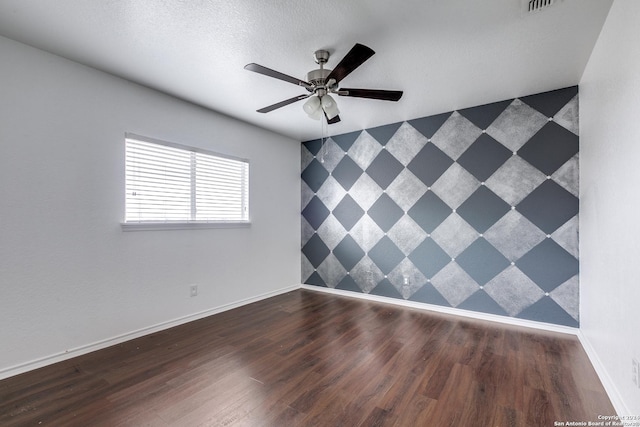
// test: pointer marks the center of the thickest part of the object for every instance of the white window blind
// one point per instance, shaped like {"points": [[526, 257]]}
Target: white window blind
{"points": [[168, 183]]}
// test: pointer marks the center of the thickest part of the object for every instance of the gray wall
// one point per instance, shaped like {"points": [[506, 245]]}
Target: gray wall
{"points": [[475, 209]]}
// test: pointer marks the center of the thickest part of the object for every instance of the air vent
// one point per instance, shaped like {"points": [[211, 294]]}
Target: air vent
{"points": [[536, 5]]}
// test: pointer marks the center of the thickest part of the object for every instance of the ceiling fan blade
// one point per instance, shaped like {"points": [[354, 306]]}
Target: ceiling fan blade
{"points": [[336, 119], [385, 95], [275, 74], [282, 103], [352, 60]]}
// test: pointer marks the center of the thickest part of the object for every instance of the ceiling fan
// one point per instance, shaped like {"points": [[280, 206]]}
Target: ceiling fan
{"points": [[322, 82]]}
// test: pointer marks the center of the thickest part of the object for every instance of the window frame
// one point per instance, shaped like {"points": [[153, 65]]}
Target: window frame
{"points": [[143, 225]]}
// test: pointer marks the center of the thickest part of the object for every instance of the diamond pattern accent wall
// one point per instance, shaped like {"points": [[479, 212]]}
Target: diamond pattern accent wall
{"points": [[475, 209]]}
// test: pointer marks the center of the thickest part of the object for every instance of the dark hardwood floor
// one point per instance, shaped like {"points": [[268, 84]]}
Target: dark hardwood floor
{"points": [[310, 359]]}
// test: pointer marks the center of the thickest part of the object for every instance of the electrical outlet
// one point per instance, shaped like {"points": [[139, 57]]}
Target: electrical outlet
{"points": [[194, 290], [635, 371]]}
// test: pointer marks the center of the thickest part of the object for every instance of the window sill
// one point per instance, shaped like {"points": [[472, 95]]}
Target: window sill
{"points": [[161, 226]]}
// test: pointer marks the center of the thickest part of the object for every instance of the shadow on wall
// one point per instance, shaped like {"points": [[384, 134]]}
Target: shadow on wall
{"points": [[475, 209]]}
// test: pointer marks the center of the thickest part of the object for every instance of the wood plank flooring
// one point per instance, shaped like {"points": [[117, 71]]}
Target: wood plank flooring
{"points": [[310, 359]]}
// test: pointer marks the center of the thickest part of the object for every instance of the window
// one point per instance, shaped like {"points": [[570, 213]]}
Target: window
{"points": [[169, 184]]}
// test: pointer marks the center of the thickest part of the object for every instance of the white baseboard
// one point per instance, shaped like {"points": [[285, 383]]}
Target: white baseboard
{"points": [[605, 379], [448, 310], [88, 348]]}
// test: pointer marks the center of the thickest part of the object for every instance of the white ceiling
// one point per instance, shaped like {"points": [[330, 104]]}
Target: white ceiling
{"points": [[444, 54]]}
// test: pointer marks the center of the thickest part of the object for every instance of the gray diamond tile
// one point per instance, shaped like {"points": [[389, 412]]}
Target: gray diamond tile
{"points": [[454, 284], [568, 176], [549, 206], [482, 261], [428, 126], [481, 301], [314, 175], [567, 236], [366, 274], [384, 169], [406, 234], [568, 115], [406, 189], [429, 211], [567, 296], [514, 235], [550, 148], [313, 146], [484, 157], [348, 252], [347, 172], [406, 143], [364, 150], [385, 212], [429, 258], [331, 232], [331, 271], [548, 311], [516, 125], [365, 191], [366, 233], [383, 133], [348, 284], [456, 135], [513, 291], [348, 212], [483, 209], [548, 265], [315, 250], [515, 180], [331, 193], [330, 154], [429, 164], [549, 103], [346, 140], [315, 212], [455, 186], [406, 278], [454, 235], [386, 255]]}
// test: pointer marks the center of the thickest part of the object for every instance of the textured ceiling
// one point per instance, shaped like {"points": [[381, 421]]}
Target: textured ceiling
{"points": [[444, 54]]}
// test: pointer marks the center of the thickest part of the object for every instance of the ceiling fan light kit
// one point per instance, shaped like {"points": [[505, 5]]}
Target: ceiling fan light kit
{"points": [[323, 82]]}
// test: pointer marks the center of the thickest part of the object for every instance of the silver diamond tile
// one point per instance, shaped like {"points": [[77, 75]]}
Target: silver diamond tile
{"points": [[307, 269], [306, 157], [306, 230], [513, 290], [567, 236], [330, 154], [406, 234], [568, 116], [454, 235], [366, 233], [456, 135], [514, 235], [364, 150], [515, 180], [455, 186], [516, 125], [454, 284], [567, 296], [406, 278], [331, 232], [366, 274], [331, 193], [306, 194], [568, 176], [365, 191], [331, 271], [406, 189], [406, 143]]}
